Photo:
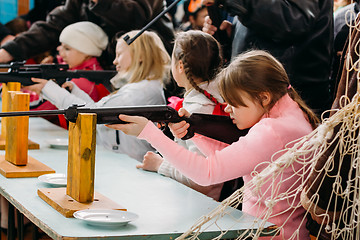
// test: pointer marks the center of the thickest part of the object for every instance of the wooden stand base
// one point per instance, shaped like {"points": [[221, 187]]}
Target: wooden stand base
{"points": [[33, 168], [31, 145], [66, 205]]}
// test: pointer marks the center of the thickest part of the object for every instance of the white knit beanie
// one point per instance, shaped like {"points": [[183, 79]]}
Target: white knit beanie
{"points": [[85, 37]]}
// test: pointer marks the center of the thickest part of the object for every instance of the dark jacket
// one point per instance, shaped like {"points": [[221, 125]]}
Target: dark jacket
{"points": [[3, 32], [298, 33], [112, 16]]}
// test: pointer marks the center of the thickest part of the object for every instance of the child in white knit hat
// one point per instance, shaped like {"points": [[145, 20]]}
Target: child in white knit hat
{"points": [[81, 44]]}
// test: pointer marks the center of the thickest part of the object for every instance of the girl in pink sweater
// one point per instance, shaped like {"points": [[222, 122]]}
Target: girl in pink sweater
{"points": [[259, 96]]}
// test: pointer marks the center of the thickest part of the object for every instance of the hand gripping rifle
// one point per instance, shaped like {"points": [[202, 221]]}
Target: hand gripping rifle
{"points": [[217, 127], [22, 73]]}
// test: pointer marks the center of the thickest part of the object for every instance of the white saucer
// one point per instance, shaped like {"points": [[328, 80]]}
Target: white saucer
{"points": [[105, 217], [55, 179], [59, 143]]}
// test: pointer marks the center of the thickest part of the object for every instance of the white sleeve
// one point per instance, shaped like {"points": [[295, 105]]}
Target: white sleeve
{"points": [[81, 94], [168, 170], [61, 98]]}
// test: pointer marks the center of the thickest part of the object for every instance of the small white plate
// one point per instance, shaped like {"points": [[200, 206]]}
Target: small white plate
{"points": [[56, 179], [105, 217], [59, 143]]}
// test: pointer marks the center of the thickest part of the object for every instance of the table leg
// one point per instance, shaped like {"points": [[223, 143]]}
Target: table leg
{"points": [[20, 225], [11, 223], [35, 235]]}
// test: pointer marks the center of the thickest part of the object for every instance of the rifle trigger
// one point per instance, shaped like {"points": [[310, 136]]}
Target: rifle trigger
{"points": [[162, 126]]}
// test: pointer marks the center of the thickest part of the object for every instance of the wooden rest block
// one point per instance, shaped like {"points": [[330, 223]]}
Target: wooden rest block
{"points": [[10, 86], [81, 158], [31, 145], [33, 168], [66, 205]]}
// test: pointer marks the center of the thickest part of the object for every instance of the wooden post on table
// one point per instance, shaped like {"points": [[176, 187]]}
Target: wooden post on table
{"points": [[16, 162], [81, 158], [17, 129], [79, 193], [10, 86]]}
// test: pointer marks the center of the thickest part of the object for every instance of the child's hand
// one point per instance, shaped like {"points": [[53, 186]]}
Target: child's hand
{"points": [[36, 87], [134, 126], [179, 130], [47, 60], [68, 85], [151, 162]]}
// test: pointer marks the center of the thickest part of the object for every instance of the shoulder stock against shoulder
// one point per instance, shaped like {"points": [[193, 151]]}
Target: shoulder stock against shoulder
{"points": [[217, 127]]}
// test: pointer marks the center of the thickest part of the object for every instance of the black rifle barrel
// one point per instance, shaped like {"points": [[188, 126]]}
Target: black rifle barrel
{"points": [[24, 73], [32, 113], [110, 115], [129, 40]]}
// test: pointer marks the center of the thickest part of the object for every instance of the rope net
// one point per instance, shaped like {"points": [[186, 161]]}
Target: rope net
{"points": [[324, 166]]}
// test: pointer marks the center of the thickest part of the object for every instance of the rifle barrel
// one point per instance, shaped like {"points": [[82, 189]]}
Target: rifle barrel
{"points": [[32, 113], [129, 40], [24, 76]]}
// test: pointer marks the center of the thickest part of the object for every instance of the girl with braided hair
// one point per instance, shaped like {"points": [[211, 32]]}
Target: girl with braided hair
{"points": [[196, 59]]}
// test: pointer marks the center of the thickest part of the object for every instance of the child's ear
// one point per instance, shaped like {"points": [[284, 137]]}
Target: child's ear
{"points": [[180, 66], [265, 98]]}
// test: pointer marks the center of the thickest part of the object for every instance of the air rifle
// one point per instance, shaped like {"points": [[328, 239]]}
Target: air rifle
{"points": [[22, 73], [217, 127]]}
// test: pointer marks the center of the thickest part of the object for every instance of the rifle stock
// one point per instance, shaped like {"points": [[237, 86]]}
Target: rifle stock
{"points": [[22, 73], [217, 127]]}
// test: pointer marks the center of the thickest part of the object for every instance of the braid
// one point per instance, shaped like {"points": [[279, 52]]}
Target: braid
{"points": [[196, 87], [188, 46]]}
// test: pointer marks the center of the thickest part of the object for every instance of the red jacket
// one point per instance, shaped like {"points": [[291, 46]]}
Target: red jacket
{"points": [[96, 92]]}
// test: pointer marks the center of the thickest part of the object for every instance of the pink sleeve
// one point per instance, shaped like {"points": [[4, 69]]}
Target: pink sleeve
{"points": [[233, 161], [207, 145]]}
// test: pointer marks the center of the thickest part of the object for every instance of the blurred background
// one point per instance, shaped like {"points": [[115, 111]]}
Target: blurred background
{"points": [[10, 9]]}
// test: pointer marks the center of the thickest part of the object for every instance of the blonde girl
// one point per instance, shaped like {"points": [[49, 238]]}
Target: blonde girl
{"points": [[142, 67]]}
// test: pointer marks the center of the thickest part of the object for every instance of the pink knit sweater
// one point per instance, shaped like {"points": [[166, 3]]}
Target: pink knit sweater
{"points": [[284, 123]]}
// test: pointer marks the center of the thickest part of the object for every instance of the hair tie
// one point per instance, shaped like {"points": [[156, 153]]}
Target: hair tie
{"points": [[289, 86]]}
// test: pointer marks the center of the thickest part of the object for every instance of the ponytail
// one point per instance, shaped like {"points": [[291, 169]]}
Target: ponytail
{"points": [[312, 118]]}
